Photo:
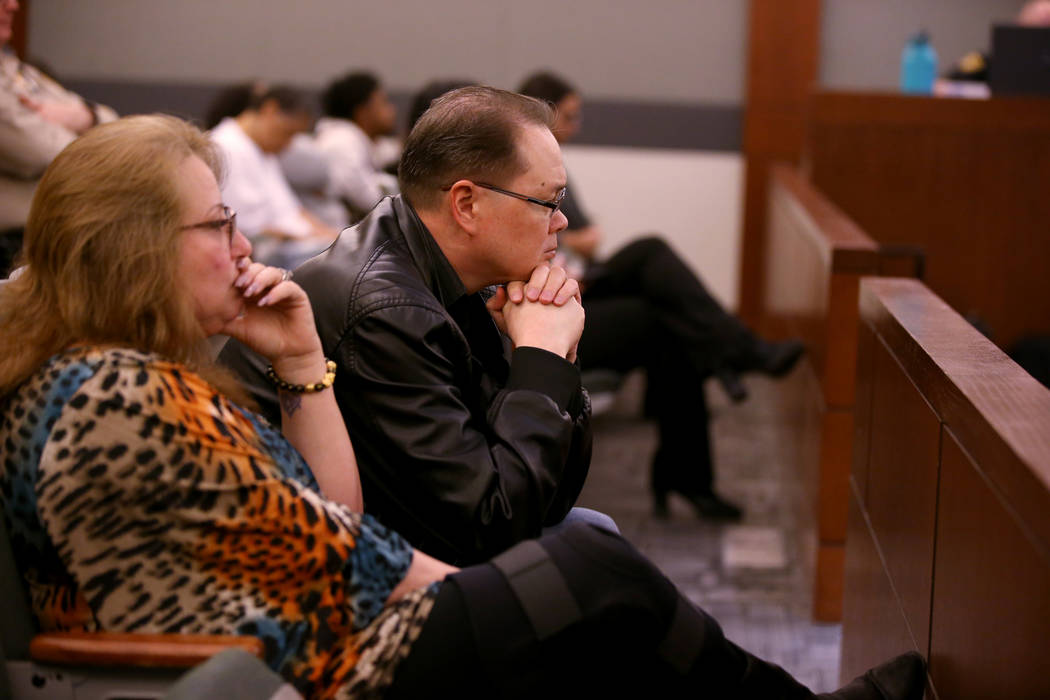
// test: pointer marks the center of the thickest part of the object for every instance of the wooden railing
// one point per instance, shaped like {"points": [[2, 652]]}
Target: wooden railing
{"points": [[965, 181], [949, 530], [815, 259]]}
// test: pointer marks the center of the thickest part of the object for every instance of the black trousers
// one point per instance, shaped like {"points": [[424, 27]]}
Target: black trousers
{"points": [[479, 643], [647, 309]]}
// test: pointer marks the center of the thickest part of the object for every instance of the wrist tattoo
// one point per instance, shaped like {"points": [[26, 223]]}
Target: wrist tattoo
{"points": [[290, 403]]}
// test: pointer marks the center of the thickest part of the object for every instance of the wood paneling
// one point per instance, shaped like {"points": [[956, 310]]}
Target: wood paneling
{"points": [[782, 64], [973, 585], [993, 405], [835, 450], [814, 259], [873, 624], [866, 344], [902, 485], [962, 180], [989, 567]]}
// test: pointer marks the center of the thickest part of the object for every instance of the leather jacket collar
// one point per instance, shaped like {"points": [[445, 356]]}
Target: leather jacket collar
{"points": [[394, 219]]}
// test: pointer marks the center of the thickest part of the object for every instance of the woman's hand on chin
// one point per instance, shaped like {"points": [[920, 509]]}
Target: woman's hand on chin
{"points": [[277, 321]]}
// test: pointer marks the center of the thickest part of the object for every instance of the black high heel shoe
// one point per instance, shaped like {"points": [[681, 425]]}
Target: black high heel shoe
{"points": [[731, 384], [709, 506], [773, 358]]}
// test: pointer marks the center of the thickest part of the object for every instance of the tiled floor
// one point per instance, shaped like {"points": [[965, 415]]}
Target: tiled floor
{"points": [[748, 576]]}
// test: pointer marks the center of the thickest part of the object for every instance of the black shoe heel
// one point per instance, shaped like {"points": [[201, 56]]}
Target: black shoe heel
{"points": [[707, 506], [731, 384]]}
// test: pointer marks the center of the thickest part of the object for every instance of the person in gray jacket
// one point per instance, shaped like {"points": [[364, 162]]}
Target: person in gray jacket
{"points": [[455, 338]]}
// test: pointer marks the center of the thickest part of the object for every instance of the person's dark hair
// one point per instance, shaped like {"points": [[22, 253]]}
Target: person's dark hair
{"points": [[467, 133], [342, 97], [288, 99], [546, 86], [231, 101], [430, 92]]}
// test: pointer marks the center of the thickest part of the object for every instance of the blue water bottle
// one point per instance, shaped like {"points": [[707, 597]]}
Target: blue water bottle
{"points": [[918, 65]]}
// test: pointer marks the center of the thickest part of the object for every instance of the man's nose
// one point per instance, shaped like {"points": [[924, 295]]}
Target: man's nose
{"points": [[559, 222]]}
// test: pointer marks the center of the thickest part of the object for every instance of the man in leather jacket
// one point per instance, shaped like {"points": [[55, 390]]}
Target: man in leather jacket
{"points": [[468, 440]]}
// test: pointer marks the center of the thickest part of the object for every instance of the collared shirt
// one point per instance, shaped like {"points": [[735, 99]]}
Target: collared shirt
{"points": [[255, 186], [353, 174]]}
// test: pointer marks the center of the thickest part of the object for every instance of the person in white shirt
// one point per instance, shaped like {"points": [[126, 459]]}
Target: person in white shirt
{"points": [[267, 209], [358, 113]]}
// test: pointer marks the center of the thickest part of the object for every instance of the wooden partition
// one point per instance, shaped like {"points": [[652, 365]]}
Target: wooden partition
{"points": [[815, 257], [783, 64], [964, 180], [948, 550]]}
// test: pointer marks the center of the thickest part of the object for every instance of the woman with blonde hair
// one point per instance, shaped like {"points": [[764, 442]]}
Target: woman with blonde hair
{"points": [[141, 497]]}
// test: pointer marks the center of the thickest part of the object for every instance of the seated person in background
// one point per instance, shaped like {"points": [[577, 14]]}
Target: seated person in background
{"points": [[303, 164], [357, 112], [255, 187], [646, 308], [38, 117], [466, 446], [974, 65], [121, 522], [232, 101]]}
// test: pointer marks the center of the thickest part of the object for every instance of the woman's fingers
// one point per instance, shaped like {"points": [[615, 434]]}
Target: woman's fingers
{"points": [[284, 289], [248, 273], [256, 279]]}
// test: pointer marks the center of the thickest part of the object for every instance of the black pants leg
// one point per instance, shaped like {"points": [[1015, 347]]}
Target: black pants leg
{"points": [[479, 642], [648, 268], [624, 333]]}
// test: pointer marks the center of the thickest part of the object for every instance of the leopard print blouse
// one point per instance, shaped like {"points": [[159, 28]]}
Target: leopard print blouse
{"points": [[139, 499]]}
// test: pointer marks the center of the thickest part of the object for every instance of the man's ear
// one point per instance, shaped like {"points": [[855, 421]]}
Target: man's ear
{"points": [[463, 203]]}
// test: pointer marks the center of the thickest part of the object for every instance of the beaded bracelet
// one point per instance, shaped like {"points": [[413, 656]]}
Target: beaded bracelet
{"points": [[329, 378]]}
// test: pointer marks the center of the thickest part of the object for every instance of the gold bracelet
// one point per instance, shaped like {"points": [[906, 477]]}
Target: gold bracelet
{"points": [[329, 378]]}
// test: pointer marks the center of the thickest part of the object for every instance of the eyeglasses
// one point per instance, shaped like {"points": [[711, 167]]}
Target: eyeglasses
{"points": [[554, 205], [228, 224]]}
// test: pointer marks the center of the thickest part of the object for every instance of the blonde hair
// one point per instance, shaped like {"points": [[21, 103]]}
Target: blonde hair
{"points": [[102, 248]]}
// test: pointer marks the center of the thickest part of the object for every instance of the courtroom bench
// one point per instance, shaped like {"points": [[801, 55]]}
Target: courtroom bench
{"points": [[948, 549]]}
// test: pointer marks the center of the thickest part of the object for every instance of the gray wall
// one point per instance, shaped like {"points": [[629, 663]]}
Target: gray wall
{"points": [[661, 73], [664, 50], [861, 40]]}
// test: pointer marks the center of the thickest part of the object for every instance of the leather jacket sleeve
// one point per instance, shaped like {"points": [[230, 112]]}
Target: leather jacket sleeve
{"points": [[476, 486]]}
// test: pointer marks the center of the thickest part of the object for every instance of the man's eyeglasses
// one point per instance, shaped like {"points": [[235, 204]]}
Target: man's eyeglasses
{"points": [[227, 224], [553, 205]]}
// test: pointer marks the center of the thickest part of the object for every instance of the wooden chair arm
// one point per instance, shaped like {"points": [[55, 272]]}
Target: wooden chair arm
{"points": [[138, 650]]}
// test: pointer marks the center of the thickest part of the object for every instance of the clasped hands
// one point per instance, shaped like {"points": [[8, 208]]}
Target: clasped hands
{"points": [[544, 312]]}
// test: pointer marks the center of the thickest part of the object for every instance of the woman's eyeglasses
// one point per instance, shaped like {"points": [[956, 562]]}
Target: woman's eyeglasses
{"points": [[227, 224]]}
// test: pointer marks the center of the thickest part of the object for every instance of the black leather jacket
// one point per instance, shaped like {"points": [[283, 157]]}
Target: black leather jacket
{"points": [[461, 450]]}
